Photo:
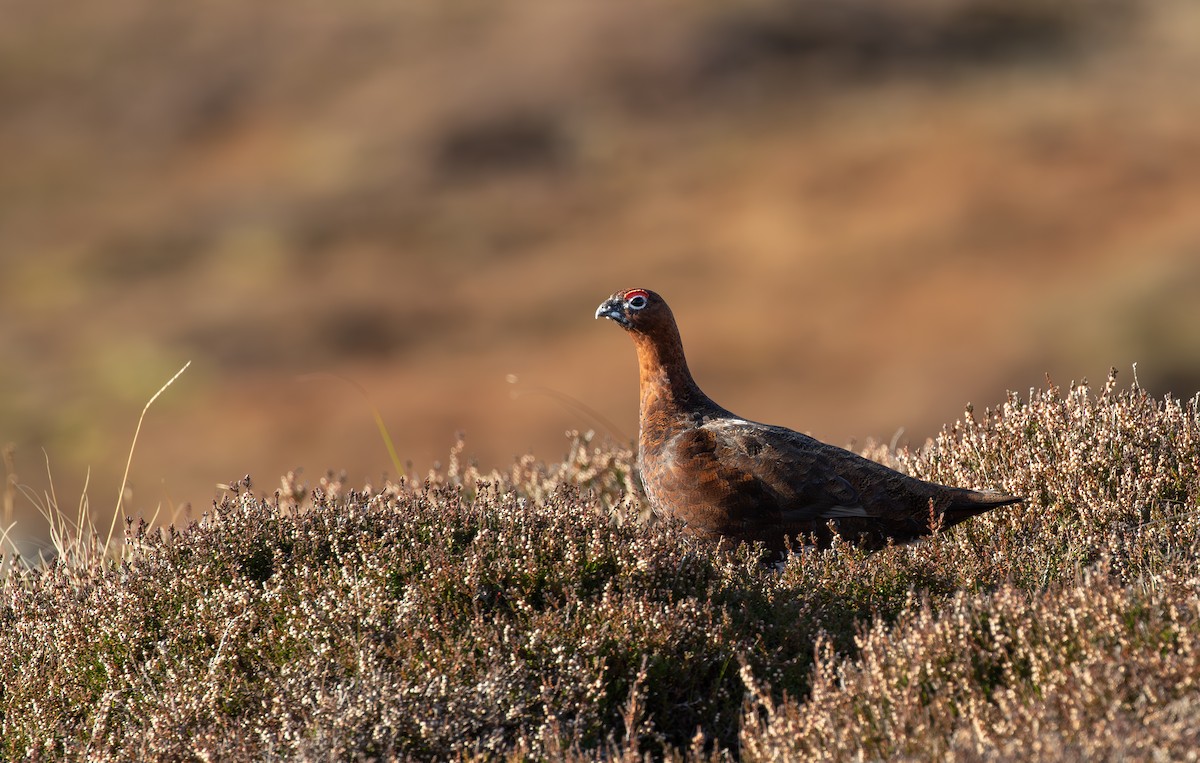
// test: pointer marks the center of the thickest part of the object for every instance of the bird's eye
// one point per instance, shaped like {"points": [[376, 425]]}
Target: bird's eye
{"points": [[637, 301]]}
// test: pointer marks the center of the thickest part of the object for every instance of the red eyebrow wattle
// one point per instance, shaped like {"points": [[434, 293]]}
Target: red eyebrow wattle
{"points": [[636, 293]]}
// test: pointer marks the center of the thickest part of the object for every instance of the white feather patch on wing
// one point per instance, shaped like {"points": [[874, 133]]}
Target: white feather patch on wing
{"points": [[807, 513], [844, 511], [728, 424]]}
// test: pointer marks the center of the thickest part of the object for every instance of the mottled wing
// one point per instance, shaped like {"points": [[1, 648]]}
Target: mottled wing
{"points": [[815, 485], [757, 482]]}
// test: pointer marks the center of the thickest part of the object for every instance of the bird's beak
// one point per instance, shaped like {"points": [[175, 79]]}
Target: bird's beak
{"points": [[613, 309]]}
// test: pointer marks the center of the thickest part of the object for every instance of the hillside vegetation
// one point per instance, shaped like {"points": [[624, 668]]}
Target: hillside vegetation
{"points": [[863, 213], [533, 614]]}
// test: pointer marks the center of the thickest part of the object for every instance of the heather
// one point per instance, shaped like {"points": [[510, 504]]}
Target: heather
{"points": [[538, 614]]}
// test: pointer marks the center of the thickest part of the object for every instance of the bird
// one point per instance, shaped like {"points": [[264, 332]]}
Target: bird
{"points": [[728, 477]]}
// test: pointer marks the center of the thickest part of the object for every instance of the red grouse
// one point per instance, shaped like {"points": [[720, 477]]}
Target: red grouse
{"points": [[726, 476]]}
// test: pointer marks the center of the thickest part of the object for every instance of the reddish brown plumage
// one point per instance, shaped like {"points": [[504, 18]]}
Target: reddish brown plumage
{"points": [[726, 476]]}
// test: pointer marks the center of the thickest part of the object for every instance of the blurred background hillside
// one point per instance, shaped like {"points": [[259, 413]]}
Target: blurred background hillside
{"points": [[865, 214]]}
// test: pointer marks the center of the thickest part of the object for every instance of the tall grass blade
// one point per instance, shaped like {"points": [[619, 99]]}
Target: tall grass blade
{"points": [[129, 461]]}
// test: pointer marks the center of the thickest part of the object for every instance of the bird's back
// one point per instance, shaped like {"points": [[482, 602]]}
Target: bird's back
{"points": [[730, 477]]}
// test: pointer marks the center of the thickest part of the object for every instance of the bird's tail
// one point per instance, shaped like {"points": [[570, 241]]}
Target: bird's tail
{"points": [[970, 503]]}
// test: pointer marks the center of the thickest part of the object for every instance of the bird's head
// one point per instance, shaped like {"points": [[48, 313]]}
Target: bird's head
{"points": [[636, 310]]}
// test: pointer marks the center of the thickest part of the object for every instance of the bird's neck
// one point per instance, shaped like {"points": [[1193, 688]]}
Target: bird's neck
{"points": [[666, 383]]}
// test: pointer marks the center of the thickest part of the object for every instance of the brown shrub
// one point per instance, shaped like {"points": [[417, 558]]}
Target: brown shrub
{"points": [[529, 614]]}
